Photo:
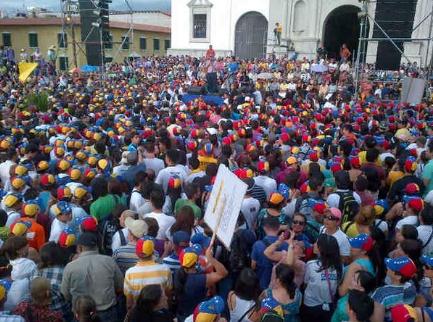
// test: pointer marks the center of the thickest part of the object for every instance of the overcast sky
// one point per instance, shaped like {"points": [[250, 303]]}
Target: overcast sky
{"points": [[12, 5]]}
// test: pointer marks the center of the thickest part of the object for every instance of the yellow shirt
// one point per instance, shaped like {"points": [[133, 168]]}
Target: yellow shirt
{"points": [[393, 176], [352, 231]]}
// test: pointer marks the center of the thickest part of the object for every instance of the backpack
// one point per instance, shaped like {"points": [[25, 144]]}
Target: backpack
{"points": [[305, 204], [109, 228], [348, 206]]}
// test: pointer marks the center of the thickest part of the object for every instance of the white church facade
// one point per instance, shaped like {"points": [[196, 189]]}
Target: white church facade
{"points": [[245, 28]]}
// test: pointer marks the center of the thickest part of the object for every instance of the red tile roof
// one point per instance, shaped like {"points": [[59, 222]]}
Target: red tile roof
{"points": [[58, 22]]}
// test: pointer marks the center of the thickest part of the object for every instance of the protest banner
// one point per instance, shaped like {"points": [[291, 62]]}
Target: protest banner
{"points": [[224, 205]]}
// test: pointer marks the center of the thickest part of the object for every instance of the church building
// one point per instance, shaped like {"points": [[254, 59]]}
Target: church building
{"points": [[245, 28]]}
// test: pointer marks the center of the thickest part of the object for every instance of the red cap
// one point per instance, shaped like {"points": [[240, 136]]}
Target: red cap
{"points": [[417, 204], [411, 189]]}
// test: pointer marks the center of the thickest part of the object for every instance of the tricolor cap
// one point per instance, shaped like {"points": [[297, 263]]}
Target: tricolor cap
{"points": [[201, 239], [80, 192], [291, 160], [174, 183], [89, 224], [403, 313], [412, 189], [320, 207], [89, 173], [47, 180], [208, 148], [410, 165], [145, 247], [263, 166], [63, 165], [17, 183], [362, 241], [20, 228], [67, 238], [381, 207], [402, 265], [355, 162], [313, 156], [417, 204], [103, 165], [11, 200], [64, 207], [283, 189], [188, 257], [30, 209], [92, 160], [21, 170], [270, 304], [276, 198], [75, 174], [42, 166], [63, 192], [209, 310]]}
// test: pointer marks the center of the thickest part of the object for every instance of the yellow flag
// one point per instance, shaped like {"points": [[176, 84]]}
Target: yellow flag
{"points": [[25, 69]]}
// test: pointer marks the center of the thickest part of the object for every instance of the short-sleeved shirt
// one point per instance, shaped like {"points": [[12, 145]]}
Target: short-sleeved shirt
{"points": [[342, 240], [125, 257], [194, 292], [185, 202], [102, 207], [146, 273], [263, 264]]}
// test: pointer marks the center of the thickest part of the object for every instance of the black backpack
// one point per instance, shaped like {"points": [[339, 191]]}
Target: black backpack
{"points": [[348, 206]]}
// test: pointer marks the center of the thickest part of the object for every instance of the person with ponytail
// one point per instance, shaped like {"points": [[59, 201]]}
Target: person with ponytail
{"points": [[366, 257], [361, 306], [285, 292], [85, 309], [151, 306]]}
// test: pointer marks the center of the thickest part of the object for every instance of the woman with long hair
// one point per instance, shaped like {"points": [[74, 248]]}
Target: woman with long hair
{"points": [[322, 277], [151, 306], [174, 192], [361, 222], [185, 221], [285, 292], [85, 309], [243, 301], [366, 256]]}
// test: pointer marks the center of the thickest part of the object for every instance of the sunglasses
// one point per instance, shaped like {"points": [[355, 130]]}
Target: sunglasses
{"points": [[332, 218], [296, 222]]}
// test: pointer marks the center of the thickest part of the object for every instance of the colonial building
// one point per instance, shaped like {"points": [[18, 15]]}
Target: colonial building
{"points": [[42, 33], [246, 28]]}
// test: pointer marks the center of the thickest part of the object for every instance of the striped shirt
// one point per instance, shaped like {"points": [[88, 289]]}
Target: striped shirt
{"points": [[172, 262], [145, 273], [125, 257]]}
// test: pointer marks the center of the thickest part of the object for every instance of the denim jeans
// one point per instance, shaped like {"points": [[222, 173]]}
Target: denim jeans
{"points": [[109, 315]]}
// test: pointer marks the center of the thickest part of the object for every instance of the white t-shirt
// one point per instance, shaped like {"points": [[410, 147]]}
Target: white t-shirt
{"points": [[342, 240], [155, 164], [409, 220], [136, 200], [382, 225], [268, 184], [19, 291], [13, 216], [144, 209], [56, 229], [194, 175], [166, 173], [164, 222], [424, 234], [250, 208], [116, 241], [318, 290], [4, 171], [334, 199]]}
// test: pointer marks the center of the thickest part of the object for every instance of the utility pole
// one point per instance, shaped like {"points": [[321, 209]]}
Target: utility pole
{"points": [[70, 9]]}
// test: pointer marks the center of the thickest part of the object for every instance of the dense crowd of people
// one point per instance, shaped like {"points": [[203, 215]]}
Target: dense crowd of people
{"points": [[104, 190]]}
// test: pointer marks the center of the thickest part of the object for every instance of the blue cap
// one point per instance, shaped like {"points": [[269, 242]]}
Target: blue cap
{"points": [[201, 239], [181, 237], [403, 265], [427, 260]]}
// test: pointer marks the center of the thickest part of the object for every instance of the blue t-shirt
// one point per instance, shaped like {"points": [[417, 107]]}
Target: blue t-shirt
{"points": [[233, 67], [263, 264], [194, 292]]}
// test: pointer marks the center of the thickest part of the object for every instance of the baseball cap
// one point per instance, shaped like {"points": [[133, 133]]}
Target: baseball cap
{"points": [[137, 227], [89, 224], [412, 189], [381, 206], [20, 170], [355, 162], [269, 304], [30, 209], [263, 166], [335, 212], [87, 239], [291, 160], [276, 198], [63, 165], [181, 238], [132, 157], [17, 183], [11, 199], [188, 257], [5, 286], [402, 265], [174, 183], [145, 247], [80, 192], [417, 204], [410, 165], [207, 311], [362, 241], [201, 239], [63, 192], [75, 174], [20, 228], [320, 207], [403, 313], [427, 260], [47, 180], [67, 238]]}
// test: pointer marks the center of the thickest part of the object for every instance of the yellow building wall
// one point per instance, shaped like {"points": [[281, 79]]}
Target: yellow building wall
{"points": [[47, 36]]}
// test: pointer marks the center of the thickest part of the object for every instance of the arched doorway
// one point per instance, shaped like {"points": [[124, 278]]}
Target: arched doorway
{"points": [[342, 26], [251, 35]]}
